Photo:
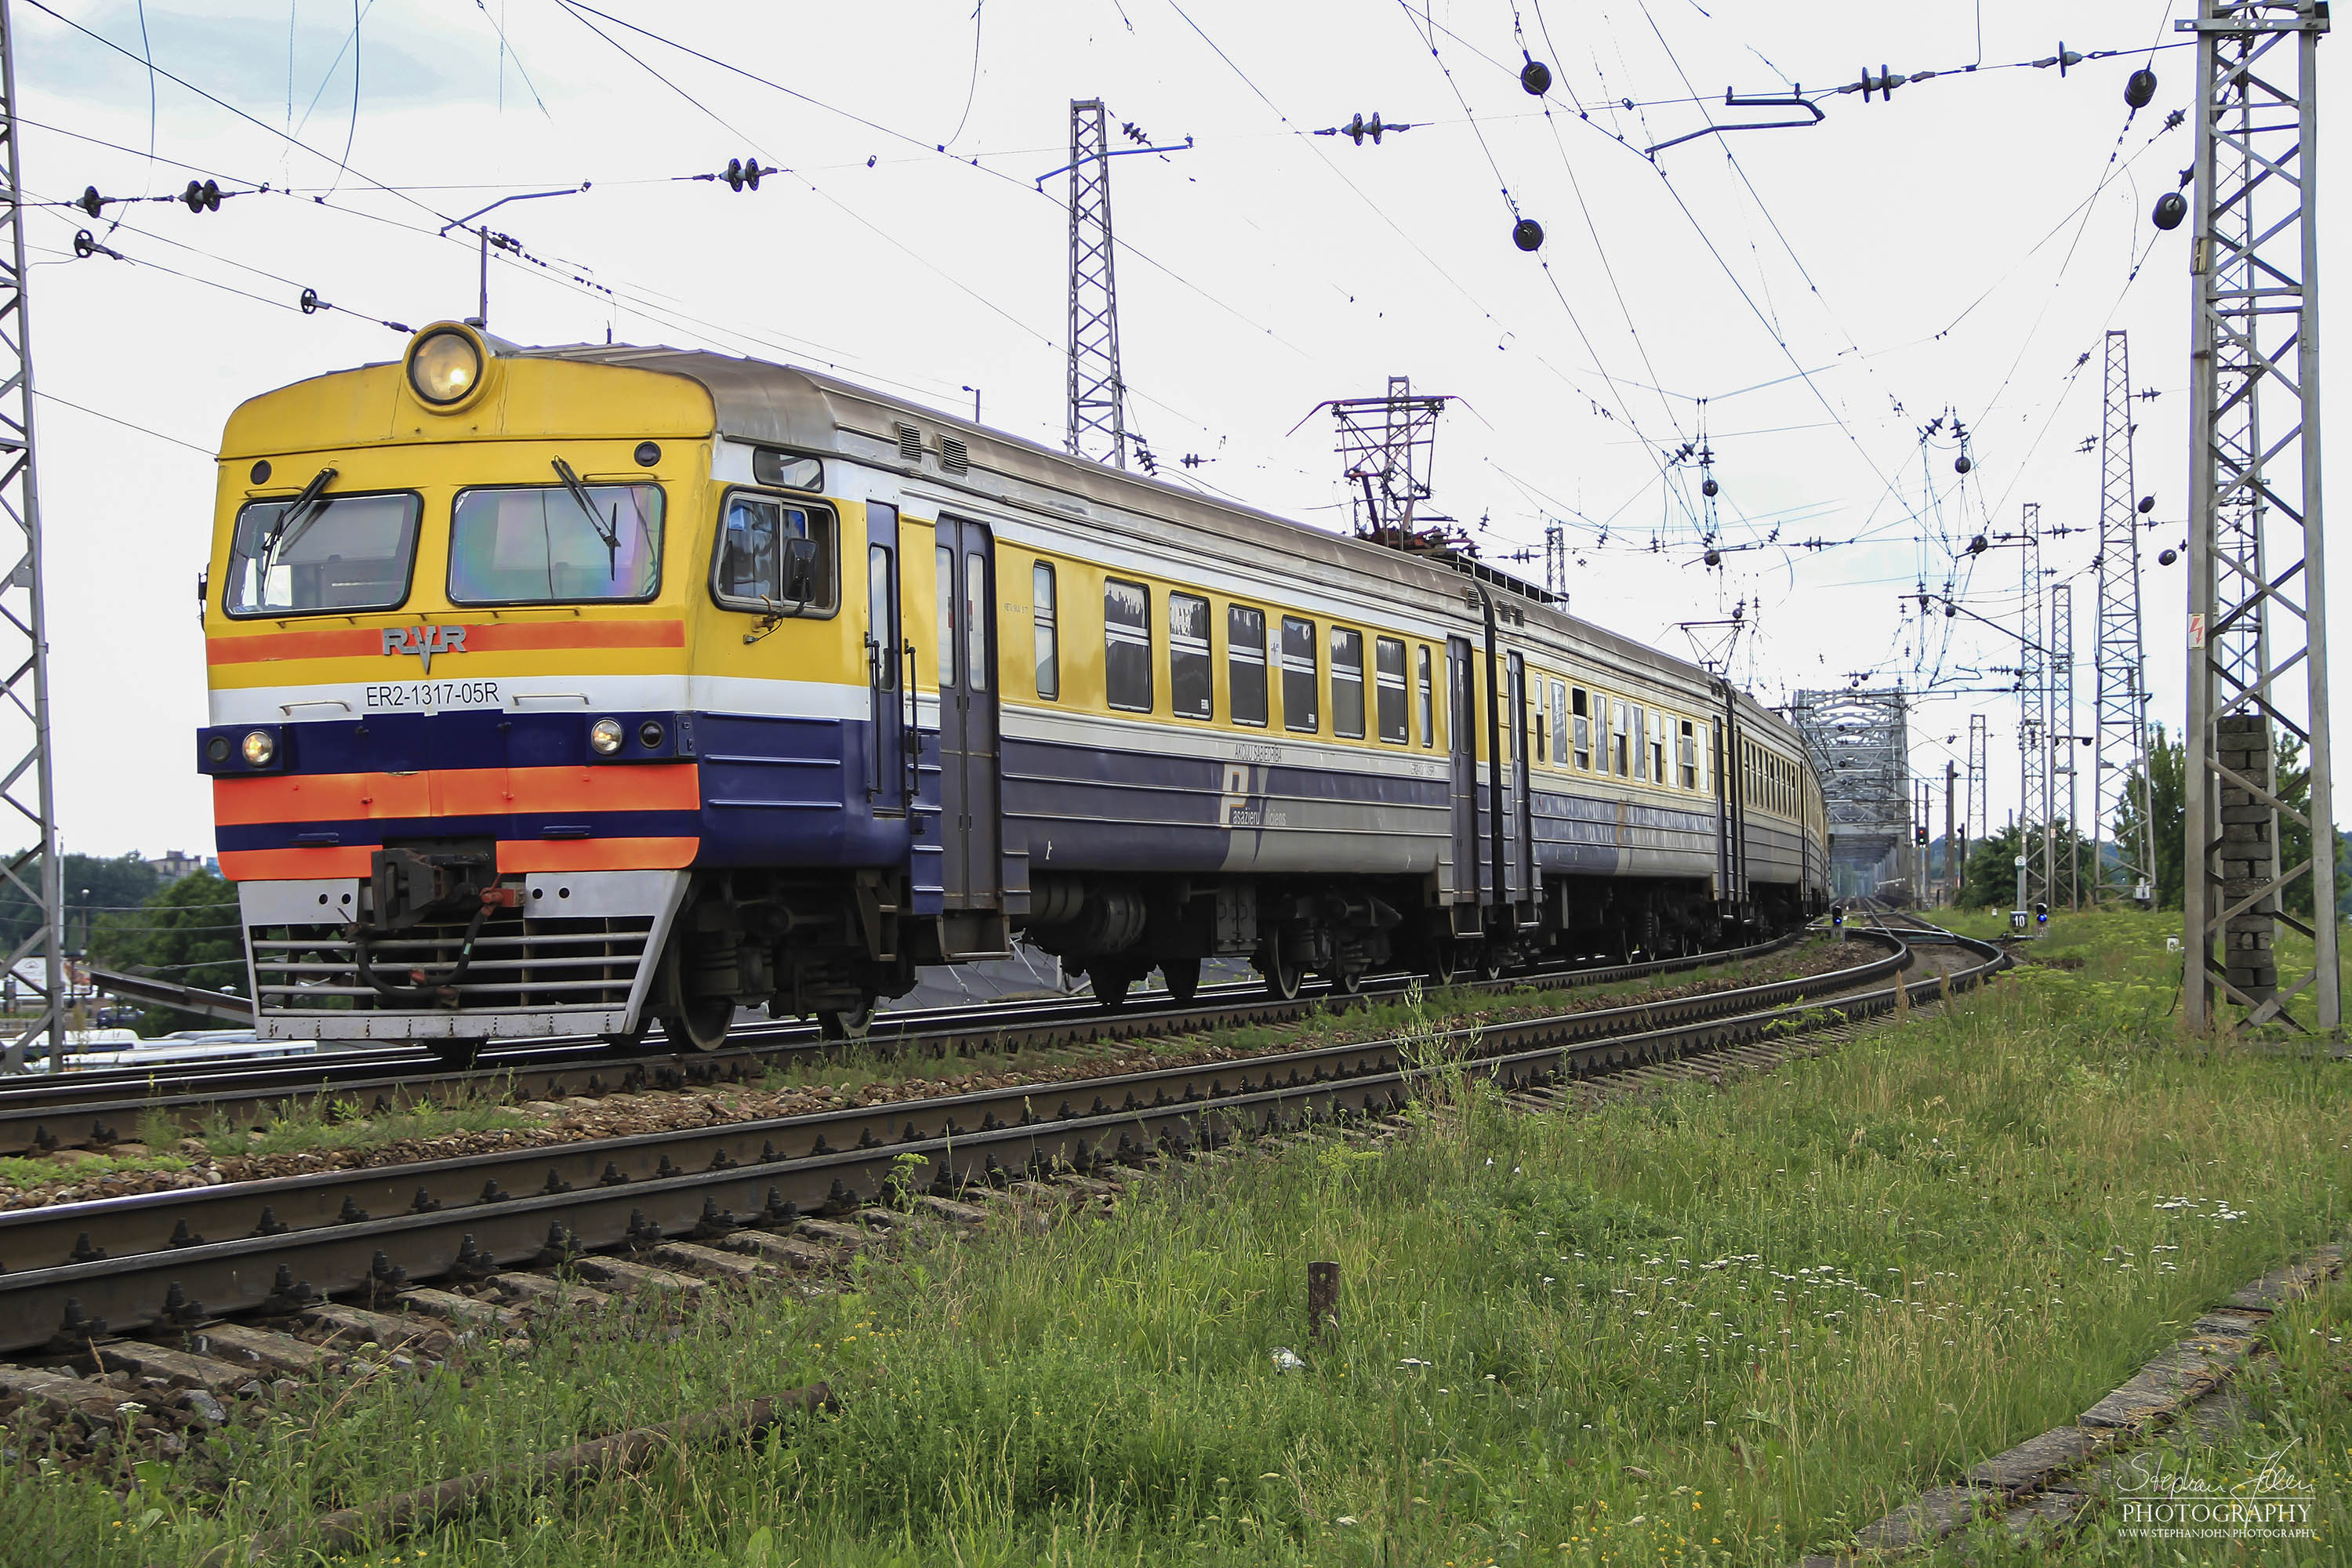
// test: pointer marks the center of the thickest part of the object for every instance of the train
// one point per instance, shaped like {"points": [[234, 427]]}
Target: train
{"points": [[567, 691]]}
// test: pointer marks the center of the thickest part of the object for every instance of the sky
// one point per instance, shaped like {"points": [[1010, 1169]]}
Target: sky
{"points": [[1816, 305]]}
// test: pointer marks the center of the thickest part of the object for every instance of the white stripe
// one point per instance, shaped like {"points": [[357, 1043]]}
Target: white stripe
{"points": [[543, 694]]}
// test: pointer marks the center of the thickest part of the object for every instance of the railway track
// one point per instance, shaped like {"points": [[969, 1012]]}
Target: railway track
{"points": [[166, 1264], [82, 1111]]}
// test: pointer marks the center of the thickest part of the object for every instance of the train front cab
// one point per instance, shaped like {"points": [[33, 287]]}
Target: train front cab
{"points": [[541, 709]]}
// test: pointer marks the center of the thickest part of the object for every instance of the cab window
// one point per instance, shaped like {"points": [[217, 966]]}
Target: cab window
{"points": [[535, 545], [340, 553], [759, 565]]}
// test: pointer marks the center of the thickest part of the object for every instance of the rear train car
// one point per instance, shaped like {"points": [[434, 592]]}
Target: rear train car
{"points": [[566, 690]]}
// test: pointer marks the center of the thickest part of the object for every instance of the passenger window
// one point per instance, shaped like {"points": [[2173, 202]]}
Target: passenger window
{"points": [[1298, 710], [1642, 744], [1245, 663], [944, 571], [881, 619], [1387, 673], [1623, 768], [1688, 756], [1559, 723], [976, 602], [1049, 651], [1190, 685], [1346, 683], [1578, 701], [1126, 645], [1428, 703]]}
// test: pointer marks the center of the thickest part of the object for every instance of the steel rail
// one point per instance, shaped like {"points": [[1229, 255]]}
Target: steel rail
{"points": [[283, 1243], [85, 1111]]}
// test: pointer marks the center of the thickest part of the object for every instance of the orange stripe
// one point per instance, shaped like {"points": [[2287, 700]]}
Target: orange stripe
{"points": [[454, 792], [352, 642], [514, 856], [596, 854], [294, 865]]}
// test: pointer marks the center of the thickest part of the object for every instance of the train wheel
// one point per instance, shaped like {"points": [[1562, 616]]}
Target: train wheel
{"points": [[1444, 962], [1183, 977], [1490, 962], [1110, 987], [1281, 970], [1347, 982], [848, 1023], [699, 1026]]}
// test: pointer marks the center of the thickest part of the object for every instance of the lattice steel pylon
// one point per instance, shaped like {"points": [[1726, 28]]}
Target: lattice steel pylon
{"points": [[1097, 424], [1974, 818], [38, 963], [2065, 870], [2033, 714], [2119, 754], [2257, 598]]}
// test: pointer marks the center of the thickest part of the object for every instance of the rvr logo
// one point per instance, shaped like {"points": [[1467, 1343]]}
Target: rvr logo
{"points": [[425, 642]]}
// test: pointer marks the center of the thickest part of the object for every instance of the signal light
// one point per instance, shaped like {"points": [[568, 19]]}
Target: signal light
{"points": [[2041, 913]]}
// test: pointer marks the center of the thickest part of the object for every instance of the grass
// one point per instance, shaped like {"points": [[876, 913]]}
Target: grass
{"points": [[1716, 1327]]}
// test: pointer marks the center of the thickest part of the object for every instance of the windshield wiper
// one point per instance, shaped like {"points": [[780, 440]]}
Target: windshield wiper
{"points": [[610, 533], [299, 515]]}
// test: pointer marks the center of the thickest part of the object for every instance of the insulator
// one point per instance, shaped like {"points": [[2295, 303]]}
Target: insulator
{"points": [[2146, 505], [91, 200], [2167, 557], [2170, 209], [2141, 88], [1950, 610], [309, 301], [1961, 464], [1976, 546], [751, 172], [205, 198], [1710, 488], [734, 174], [1535, 76], [84, 242], [1714, 557], [1527, 234]]}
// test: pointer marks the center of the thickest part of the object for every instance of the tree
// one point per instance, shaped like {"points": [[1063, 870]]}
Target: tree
{"points": [[2167, 793], [1988, 879], [188, 933], [2166, 786], [115, 885]]}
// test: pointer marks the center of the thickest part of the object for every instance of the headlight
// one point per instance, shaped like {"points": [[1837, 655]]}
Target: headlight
{"points": [[605, 734], [443, 366], [260, 746]]}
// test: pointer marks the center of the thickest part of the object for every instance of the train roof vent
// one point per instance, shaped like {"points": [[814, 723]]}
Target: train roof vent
{"points": [[952, 455], [910, 444]]}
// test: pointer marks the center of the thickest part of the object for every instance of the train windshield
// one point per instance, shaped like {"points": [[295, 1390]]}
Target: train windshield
{"points": [[537, 544], [337, 552]]}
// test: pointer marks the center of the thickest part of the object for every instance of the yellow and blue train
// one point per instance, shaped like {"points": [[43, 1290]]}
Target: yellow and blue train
{"points": [[562, 690]]}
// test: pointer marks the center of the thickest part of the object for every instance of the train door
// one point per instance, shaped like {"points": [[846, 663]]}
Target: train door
{"points": [[1462, 741], [1521, 824], [886, 663], [970, 826]]}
